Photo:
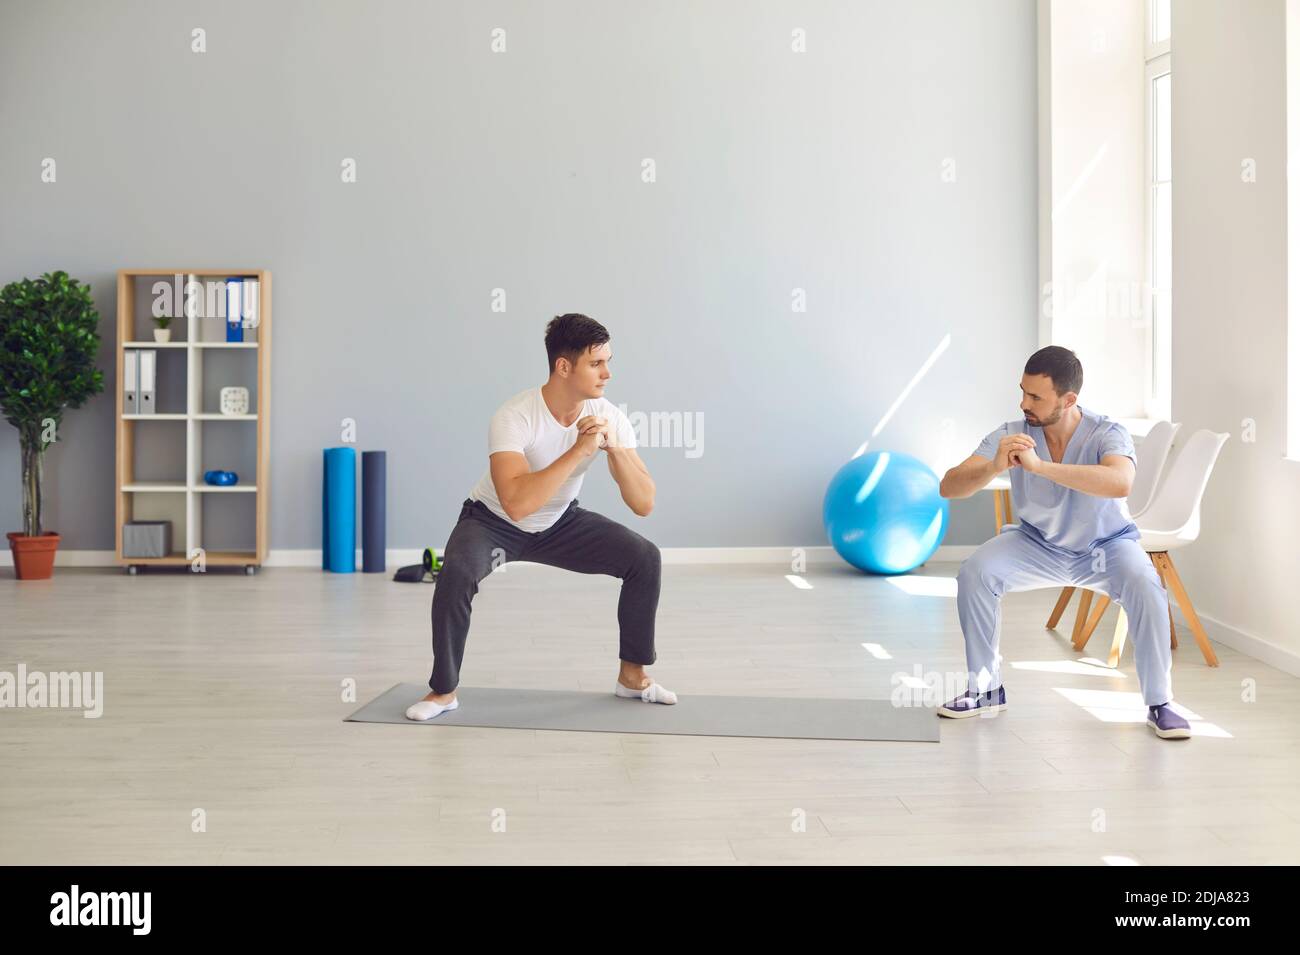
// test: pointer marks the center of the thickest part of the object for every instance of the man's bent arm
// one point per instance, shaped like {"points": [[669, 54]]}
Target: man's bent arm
{"points": [[521, 491], [1112, 478], [633, 479], [968, 477]]}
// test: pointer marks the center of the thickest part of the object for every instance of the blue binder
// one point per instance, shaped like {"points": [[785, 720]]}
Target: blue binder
{"points": [[234, 310]]}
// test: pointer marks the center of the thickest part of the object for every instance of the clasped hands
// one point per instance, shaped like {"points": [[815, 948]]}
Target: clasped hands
{"points": [[595, 432], [1018, 450]]}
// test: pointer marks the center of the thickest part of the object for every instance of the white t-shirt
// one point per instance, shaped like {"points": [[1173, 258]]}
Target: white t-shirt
{"points": [[526, 425]]}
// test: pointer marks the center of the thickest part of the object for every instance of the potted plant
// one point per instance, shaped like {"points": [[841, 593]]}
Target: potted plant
{"points": [[162, 333], [48, 343]]}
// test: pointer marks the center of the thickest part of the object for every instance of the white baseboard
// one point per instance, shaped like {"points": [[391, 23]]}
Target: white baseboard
{"points": [[1288, 661], [399, 557]]}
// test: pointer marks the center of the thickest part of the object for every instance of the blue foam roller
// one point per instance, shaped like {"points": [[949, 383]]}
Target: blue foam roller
{"points": [[339, 513], [374, 482]]}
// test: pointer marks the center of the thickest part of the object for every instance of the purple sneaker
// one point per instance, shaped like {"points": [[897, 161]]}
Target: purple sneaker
{"points": [[975, 704], [1167, 723]]}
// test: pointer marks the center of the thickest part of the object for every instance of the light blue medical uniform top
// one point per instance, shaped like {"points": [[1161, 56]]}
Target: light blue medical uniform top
{"points": [[1060, 517]]}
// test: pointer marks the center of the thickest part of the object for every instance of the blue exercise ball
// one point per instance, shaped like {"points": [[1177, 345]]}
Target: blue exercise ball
{"points": [[883, 513]]}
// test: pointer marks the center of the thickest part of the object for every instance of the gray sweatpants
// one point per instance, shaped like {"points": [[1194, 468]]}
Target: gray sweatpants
{"points": [[580, 540]]}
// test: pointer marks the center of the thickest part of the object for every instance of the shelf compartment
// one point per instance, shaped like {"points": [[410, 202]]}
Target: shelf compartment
{"points": [[158, 506], [155, 453], [171, 394], [228, 522], [215, 446], [208, 327], [148, 291], [215, 368]]}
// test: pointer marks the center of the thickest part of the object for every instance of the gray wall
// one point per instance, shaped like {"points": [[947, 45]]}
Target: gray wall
{"points": [[521, 170]]}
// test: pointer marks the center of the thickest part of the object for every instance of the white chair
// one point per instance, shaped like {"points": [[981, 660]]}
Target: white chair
{"points": [[1172, 520], [1152, 456]]}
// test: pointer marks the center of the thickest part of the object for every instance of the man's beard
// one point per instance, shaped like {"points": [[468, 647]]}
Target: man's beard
{"points": [[1045, 422]]}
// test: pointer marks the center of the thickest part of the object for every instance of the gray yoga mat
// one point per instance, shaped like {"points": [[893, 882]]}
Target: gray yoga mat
{"points": [[787, 718]]}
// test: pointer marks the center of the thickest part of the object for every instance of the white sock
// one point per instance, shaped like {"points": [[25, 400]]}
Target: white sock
{"points": [[654, 693], [427, 709]]}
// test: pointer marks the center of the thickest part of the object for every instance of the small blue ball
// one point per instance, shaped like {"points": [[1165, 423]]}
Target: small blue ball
{"points": [[883, 513]]}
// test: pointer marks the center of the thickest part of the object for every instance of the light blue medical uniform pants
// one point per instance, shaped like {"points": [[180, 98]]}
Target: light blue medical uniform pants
{"points": [[1015, 561]]}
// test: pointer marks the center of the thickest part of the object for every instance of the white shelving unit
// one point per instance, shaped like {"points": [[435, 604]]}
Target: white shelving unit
{"points": [[182, 501]]}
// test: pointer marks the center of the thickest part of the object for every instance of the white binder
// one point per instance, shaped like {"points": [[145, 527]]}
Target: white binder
{"points": [[130, 382], [250, 316], [148, 364], [234, 304]]}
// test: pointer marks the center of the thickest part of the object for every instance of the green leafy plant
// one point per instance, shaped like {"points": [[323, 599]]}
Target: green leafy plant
{"points": [[48, 342], [162, 321]]}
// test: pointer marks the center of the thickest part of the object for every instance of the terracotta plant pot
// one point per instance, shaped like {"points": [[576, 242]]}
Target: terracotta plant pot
{"points": [[33, 556]]}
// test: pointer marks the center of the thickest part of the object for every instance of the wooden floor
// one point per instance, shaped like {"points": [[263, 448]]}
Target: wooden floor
{"points": [[224, 693]]}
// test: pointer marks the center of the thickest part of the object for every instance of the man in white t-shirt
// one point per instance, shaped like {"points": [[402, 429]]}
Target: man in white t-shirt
{"points": [[540, 444]]}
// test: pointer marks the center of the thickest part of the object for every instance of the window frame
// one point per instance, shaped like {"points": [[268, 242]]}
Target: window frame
{"points": [[1159, 390], [1159, 366], [1155, 47]]}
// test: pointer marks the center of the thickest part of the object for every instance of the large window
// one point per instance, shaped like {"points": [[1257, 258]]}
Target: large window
{"points": [[1105, 199], [1159, 210]]}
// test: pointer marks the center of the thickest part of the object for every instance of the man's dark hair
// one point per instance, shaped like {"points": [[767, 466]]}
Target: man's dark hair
{"points": [[1059, 364], [569, 336]]}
